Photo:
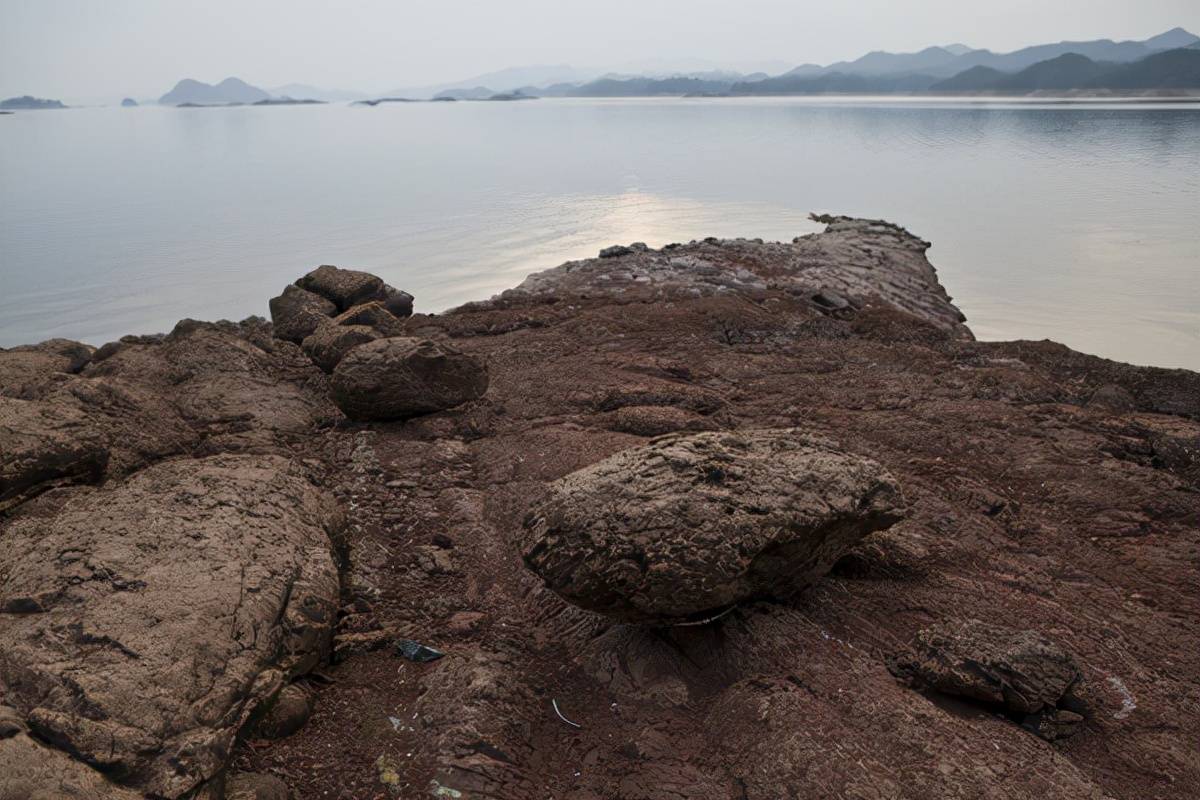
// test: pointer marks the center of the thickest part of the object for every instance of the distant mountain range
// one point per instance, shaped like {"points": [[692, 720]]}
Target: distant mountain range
{"points": [[230, 90], [1169, 61]]}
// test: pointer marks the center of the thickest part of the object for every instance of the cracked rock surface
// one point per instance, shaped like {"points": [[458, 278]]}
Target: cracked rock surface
{"points": [[144, 622]]}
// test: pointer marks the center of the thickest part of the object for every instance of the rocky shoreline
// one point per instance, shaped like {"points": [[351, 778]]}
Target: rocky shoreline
{"points": [[829, 544]]}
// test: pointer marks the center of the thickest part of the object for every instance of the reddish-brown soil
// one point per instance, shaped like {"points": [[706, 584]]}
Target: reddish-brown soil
{"points": [[1030, 507]]}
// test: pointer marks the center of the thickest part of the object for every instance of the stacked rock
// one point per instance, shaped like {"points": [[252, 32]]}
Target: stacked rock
{"points": [[350, 324]]}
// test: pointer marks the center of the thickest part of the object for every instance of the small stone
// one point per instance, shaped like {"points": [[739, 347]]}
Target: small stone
{"points": [[256, 786], [289, 712]]}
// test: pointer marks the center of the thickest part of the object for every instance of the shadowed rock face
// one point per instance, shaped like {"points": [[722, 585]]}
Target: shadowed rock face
{"points": [[403, 377], [144, 624], [689, 524]]}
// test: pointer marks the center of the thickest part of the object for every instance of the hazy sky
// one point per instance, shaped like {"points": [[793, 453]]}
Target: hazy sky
{"points": [[100, 50]]}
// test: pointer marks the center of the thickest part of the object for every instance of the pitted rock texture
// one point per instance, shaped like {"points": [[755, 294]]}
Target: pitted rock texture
{"points": [[1019, 670], [404, 377], [853, 261], [144, 623], [690, 524], [347, 288]]}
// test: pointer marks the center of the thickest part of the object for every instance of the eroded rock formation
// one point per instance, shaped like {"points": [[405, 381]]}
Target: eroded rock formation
{"points": [[1045, 489], [689, 525]]}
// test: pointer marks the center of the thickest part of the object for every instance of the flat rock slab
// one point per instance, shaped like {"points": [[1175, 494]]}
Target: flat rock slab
{"points": [[690, 524], [143, 625]]}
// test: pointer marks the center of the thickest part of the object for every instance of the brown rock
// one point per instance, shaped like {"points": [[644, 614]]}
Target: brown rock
{"points": [[256, 786], [704, 521], [287, 714], [345, 288], [373, 315], [167, 608], [404, 377], [1019, 670], [31, 771], [331, 342], [297, 313], [29, 371], [43, 445]]}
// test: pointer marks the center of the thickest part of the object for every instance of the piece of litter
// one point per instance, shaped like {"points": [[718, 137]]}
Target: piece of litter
{"points": [[396, 723], [415, 651], [560, 715]]}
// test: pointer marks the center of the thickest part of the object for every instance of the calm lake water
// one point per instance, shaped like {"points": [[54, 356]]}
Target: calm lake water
{"points": [[1077, 222]]}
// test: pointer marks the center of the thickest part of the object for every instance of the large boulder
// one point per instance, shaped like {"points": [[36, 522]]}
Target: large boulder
{"points": [[43, 445], [404, 377], [1020, 671], [689, 524], [296, 313], [142, 628]]}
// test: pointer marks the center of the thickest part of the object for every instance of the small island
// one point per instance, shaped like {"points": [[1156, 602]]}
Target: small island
{"points": [[129, 102], [29, 103]]}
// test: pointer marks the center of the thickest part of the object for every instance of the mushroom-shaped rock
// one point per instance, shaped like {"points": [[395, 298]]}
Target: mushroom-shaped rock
{"points": [[404, 377], [297, 313], [688, 524], [1019, 670]]}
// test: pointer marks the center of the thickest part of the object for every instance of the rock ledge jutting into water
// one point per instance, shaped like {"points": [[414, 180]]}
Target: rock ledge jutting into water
{"points": [[217, 544]]}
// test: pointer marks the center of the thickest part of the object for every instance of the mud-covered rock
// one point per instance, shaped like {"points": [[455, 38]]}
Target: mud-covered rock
{"points": [[689, 524], [296, 313], [330, 343], [1019, 670], [404, 377], [143, 627], [43, 445]]}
